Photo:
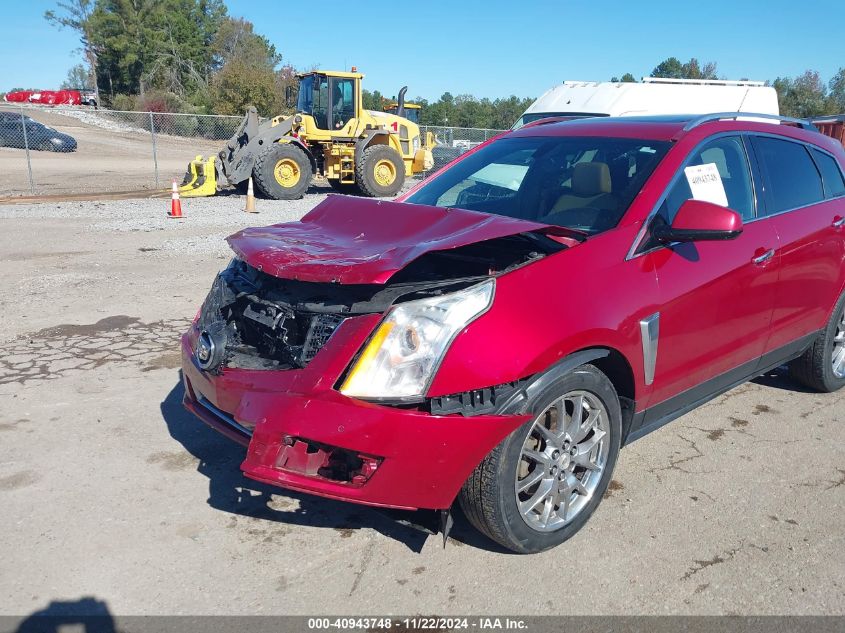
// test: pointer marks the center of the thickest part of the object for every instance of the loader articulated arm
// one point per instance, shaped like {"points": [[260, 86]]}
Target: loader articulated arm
{"points": [[238, 157], [234, 163]]}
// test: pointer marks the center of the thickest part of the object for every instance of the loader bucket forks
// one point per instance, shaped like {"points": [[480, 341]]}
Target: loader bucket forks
{"points": [[200, 179]]}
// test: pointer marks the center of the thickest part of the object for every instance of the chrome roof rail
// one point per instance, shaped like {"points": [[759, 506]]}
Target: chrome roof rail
{"points": [[804, 124]]}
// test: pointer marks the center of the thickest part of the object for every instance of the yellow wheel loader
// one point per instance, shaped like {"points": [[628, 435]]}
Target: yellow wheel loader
{"points": [[412, 110], [356, 150]]}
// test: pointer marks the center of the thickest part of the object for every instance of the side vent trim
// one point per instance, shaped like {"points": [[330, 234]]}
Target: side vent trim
{"points": [[650, 332]]}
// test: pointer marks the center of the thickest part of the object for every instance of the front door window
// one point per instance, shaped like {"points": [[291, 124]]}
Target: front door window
{"points": [[322, 104], [343, 102]]}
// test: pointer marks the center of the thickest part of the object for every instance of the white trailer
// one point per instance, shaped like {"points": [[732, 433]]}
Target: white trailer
{"points": [[651, 96]]}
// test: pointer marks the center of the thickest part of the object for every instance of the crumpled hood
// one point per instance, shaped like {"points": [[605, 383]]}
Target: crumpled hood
{"points": [[351, 240]]}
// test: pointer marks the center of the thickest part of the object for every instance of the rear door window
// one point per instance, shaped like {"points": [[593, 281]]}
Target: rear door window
{"points": [[834, 183], [792, 179]]}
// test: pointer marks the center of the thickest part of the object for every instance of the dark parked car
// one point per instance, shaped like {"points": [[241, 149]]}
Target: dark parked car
{"points": [[37, 135], [553, 295]]}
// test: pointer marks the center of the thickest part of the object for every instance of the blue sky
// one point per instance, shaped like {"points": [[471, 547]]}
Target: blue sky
{"points": [[492, 48]]}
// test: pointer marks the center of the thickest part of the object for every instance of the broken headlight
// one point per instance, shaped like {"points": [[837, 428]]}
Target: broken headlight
{"points": [[405, 351]]}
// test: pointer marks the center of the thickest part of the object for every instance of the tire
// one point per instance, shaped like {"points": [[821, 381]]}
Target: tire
{"points": [[822, 366], [489, 498], [345, 188], [282, 171], [380, 172]]}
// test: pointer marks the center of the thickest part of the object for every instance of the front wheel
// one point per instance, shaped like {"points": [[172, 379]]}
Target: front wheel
{"points": [[822, 366], [543, 482], [282, 171], [380, 171]]}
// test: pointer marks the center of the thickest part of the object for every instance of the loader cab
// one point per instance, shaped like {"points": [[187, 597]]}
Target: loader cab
{"points": [[412, 111], [331, 99]]}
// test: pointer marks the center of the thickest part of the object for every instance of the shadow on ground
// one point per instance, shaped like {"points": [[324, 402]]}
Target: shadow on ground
{"points": [[779, 378], [229, 491], [87, 615]]}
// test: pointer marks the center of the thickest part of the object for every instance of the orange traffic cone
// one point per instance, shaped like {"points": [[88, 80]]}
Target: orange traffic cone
{"points": [[175, 204], [250, 198]]}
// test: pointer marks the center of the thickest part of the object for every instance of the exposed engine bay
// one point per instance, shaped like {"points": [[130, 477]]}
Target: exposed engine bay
{"points": [[253, 320]]}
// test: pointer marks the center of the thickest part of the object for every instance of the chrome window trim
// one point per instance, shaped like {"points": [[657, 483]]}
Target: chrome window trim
{"points": [[632, 252]]}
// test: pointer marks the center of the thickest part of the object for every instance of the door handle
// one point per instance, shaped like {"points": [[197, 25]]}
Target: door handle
{"points": [[762, 259], [838, 222]]}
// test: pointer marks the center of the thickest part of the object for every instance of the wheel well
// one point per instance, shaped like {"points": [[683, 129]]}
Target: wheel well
{"points": [[382, 137], [617, 369]]}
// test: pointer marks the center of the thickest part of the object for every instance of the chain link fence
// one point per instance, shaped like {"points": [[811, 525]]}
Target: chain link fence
{"points": [[451, 142], [82, 150]]}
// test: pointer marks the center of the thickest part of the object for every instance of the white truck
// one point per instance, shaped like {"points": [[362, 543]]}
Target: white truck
{"points": [[651, 96]]}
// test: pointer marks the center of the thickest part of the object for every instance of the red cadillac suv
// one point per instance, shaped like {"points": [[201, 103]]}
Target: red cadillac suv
{"points": [[498, 334]]}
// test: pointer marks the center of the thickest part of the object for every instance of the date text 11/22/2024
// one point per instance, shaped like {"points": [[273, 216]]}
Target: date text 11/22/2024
{"points": [[418, 623]]}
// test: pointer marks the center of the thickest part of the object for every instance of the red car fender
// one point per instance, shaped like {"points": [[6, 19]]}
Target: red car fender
{"points": [[542, 311]]}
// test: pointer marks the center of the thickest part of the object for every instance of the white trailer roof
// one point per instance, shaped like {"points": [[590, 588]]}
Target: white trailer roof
{"points": [[654, 96]]}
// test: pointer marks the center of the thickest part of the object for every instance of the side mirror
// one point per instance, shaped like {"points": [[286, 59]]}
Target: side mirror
{"points": [[289, 97], [698, 220]]}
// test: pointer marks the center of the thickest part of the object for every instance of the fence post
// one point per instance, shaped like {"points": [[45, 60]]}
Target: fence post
{"points": [[26, 145], [155, 152]]}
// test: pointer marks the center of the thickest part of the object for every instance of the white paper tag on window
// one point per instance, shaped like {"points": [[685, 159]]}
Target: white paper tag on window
{"points": [[706, 183]]}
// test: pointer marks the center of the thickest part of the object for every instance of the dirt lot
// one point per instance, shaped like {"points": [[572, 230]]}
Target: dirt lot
{"points": [[106, 159], [110, 491]]}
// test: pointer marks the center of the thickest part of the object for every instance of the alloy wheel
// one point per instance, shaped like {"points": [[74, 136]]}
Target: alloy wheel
{"points": [[838, 357], [562, 461]]}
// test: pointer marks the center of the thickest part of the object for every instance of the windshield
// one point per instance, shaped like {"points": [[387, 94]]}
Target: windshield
{"points": [[530, 117], [582, 183]]}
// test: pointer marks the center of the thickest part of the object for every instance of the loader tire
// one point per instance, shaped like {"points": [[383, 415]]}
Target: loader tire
{"points": [[380, 172], [282, 172]]}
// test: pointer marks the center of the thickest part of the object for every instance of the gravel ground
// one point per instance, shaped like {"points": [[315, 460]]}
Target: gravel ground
{"points": [[111, 492], [205, 225]]}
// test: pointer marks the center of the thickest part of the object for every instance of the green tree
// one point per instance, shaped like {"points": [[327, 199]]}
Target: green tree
{"points": [[76, 15], [673, 68], [162, 44], [78, 76], [239, 85], [441, 112], [506, 111], [670, 68], [804, 96], [837, 91], [627, 78], [373, 100], [235, 38], [246, 71]]}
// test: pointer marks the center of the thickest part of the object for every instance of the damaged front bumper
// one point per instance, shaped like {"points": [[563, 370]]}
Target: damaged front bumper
{"points": [[302, 434]]}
